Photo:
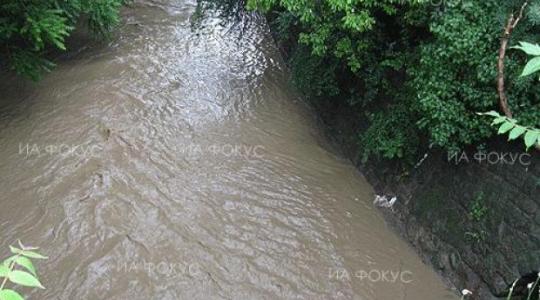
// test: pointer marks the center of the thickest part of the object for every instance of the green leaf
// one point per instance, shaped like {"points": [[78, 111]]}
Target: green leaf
{"points": [[27, 253], [532, 66], [491, 113], [4, 271], [26, 263], [531, 49], [10, 295], [516, 132], [14, 250], [8, 261], [24, 278], [505, 127], [498, 120], [531, 138]]}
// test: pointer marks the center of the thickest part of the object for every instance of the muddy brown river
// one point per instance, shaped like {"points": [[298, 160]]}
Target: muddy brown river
{"points": [[176, 162]]}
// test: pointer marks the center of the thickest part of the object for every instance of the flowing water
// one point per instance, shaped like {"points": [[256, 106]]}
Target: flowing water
{"points": [[176, 162]]}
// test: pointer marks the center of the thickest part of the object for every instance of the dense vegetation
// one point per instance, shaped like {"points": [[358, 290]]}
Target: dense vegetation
{"points": [[29, 28], [419, 72]]}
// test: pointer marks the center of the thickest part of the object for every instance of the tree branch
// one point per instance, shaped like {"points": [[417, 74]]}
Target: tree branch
{"points": [[510, 25]]}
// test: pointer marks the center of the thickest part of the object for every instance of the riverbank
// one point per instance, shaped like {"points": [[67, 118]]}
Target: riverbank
{"points": [[472, 217]]}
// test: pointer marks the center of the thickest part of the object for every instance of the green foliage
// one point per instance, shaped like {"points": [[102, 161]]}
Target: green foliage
{"points": [[383, 138], [332, 46], [455, 73], [455, 76], [478, 210], [533, 65], [19, 270], [418, 71], [338, 28], [314, 75], [531, 136], [478, 213], [28, 28]]}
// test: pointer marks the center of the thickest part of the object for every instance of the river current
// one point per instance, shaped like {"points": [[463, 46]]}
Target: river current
{"points": [[175, 161]]}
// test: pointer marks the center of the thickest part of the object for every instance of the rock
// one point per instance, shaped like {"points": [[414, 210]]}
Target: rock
{"points": [[455, 260]]}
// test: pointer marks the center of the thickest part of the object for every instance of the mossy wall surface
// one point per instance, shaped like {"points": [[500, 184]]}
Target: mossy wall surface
{"points": [[476, 220]]}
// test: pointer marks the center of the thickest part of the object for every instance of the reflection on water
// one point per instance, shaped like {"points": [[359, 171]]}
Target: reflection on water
{"points": [[176, 163]]}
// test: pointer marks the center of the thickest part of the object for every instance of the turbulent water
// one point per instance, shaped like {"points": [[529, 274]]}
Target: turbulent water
{"points": [[176, 162]]}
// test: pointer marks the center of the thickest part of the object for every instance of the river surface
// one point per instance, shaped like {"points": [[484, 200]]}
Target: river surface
{"points": [[176, 162]]}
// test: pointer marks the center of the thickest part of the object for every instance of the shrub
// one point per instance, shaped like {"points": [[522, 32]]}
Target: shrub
{"points": [[419, 72], [455, 75], [28, 28]]}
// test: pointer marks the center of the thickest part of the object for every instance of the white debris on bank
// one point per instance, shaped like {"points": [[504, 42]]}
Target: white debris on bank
{"points": [[382, 201]]}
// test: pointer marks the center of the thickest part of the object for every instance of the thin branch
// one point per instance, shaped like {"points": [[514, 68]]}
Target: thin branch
{"points": [[503, 100], [520, 16], [510, 25]]}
